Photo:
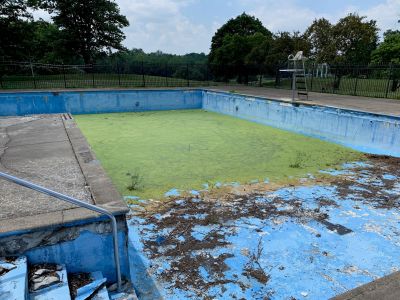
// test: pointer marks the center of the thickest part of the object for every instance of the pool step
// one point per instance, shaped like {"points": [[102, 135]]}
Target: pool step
{"points": [[13, 278], [95, 290], [48, 283]]}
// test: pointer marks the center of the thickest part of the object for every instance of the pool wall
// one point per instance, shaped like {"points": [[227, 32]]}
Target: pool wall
{"points": [[366, 132], [361, 131], [88, 102], [82, 246]]}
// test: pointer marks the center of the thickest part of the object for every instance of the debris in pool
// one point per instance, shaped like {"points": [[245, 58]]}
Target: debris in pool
{"points": [[211, 256], [339, 229], [160, 240]]}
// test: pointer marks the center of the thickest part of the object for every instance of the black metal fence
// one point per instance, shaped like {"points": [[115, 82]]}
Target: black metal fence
{"points": [[372, 80]]}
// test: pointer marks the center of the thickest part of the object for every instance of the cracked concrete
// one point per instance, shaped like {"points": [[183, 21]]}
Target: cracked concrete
{"points": [[38, 149], [50, 151]]}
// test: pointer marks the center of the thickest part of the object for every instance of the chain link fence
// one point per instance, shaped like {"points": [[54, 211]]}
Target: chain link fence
{"points": [[381, 81]]}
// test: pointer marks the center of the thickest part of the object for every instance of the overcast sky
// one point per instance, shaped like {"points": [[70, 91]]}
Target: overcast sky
{"points": [[183, 26]]}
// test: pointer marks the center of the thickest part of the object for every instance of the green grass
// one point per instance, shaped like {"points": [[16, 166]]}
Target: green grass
{"points": [[88, 80], [185, 149]]}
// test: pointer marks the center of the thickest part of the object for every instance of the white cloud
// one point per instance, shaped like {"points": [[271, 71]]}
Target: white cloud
{"points": [[288, 17], [160, 25], [292, 16], [387, 14]]}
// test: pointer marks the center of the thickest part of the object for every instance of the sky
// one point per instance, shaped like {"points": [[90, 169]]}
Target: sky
{"points": [[185, 26]]}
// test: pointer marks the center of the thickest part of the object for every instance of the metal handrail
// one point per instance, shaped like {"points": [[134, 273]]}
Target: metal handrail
{"points": [[77, 202]]}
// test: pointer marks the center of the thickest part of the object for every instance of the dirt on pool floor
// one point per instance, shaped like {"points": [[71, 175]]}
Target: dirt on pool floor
{"points": [[187, 230]]}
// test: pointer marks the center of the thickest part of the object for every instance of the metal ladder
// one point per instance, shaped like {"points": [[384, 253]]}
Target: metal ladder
{"points": [[299, 82]]}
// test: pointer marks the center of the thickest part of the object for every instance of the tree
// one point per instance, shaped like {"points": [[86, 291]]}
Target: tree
{"points": [[47, 44], [89, 27], [240, 41], [284, 44], [355, 39], [322, 41], [15, 31], [389, 50]]}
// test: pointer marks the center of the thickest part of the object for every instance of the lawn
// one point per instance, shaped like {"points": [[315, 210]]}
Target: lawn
{"points": [[188, 148], [93, 80]]}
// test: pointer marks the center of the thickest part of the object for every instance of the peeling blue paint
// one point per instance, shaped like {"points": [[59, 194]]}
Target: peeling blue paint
{"points": [[59, 291], [14, 283], [89, 252], [90, 289], [362, 131], [302, 260], [172, 192], [88, 102]]}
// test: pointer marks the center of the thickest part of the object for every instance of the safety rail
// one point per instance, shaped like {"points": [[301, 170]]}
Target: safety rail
{"points": [[77, 202]]}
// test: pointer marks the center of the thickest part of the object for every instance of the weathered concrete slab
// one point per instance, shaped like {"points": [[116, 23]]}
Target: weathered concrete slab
{"points": [[40, 149], [37, 149]]}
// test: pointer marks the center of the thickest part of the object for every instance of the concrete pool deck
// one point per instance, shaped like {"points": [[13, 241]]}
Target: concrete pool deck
{"points": [[390, 107], [49, 150], [383, 106]]}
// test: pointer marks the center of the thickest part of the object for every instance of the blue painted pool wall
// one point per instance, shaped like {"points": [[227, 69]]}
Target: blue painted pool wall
{"points": [[365, 132], [89, 102], [361, 131], [90, 252]]}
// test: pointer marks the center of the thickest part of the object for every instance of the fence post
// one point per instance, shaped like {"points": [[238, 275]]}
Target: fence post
{"points": [[355, 85], [312, 76], [207, 70], [166, 74], [1, 81], [334, 80], [119, 75], [261, 76], [388, 81], [33, 74], [93, 84], [65, 81], [187, 74], [143, 78], [277, 77]]}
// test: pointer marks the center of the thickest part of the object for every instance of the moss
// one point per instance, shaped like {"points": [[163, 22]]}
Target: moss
{"points": [[187, 148]]}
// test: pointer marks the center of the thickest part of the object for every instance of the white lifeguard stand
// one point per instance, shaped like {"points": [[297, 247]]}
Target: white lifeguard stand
{"points": [[296, 67]]}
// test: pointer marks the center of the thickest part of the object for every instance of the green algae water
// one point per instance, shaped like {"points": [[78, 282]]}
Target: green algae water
{"points": [[187, 148]]}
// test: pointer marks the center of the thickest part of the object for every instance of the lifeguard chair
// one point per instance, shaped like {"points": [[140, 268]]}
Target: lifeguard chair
{"points": [[296, 66]]}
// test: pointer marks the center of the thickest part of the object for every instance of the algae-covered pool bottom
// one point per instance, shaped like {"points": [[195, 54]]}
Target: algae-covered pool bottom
{"points": [[147, 154]]}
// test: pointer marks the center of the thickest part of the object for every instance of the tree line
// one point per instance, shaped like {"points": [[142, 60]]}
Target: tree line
{"points": [[91, 32], [352, 40]]}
